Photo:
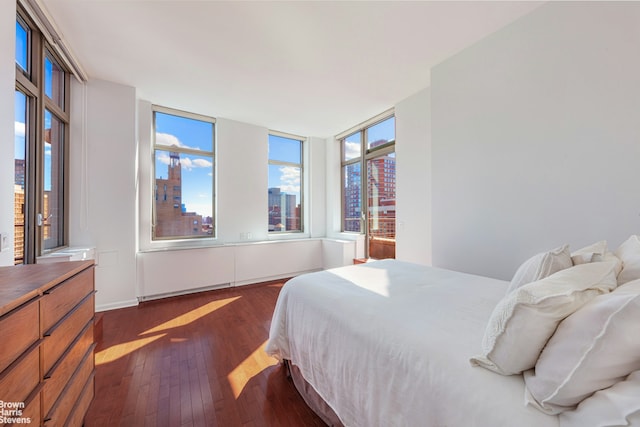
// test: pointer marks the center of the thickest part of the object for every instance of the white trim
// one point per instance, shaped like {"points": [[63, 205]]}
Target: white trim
{"points": [[116, 305], [367, 123], [182, 113], [287, 135], [38, 12]]}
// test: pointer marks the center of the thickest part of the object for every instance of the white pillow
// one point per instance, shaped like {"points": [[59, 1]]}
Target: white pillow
{"points": [[612, 407], [586, 254], [524, 320], [629, 253], [540, 266], [592, 349], [609, 257]]}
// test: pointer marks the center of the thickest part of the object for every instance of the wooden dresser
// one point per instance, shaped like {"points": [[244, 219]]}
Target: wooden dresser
{"points": [[47, 343]]}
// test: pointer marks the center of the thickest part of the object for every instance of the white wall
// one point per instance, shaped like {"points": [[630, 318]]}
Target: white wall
{"points": [[536, 138], [242, 162], [7, 118], [316, 187], [103, 185], [413, 182]]}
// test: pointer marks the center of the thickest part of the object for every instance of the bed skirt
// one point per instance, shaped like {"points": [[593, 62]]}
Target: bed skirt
{"points": [[311, 397]]}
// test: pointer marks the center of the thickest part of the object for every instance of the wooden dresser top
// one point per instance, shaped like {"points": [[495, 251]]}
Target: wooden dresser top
{"points": [[20, 283]]}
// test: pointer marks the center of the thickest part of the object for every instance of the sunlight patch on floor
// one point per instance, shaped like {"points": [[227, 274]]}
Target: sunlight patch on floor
{"points": [[117, 351], [191, 316], [255, 363]]}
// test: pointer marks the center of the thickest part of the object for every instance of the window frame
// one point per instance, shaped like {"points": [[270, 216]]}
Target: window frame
{"points": [[188, 151], [31, 83], [270, 162], [366, 154]]}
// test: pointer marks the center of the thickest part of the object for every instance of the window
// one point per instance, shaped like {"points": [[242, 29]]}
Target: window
{"points": [[285, 179], [22, 44], [41, 145], [369, 185], [184, 171]]}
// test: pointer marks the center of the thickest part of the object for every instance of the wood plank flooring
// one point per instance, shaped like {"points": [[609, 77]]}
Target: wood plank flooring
{"points": [[195, 360]]}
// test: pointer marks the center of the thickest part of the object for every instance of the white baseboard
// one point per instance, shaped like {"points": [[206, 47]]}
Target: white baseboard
{"points": [[116, 305]]}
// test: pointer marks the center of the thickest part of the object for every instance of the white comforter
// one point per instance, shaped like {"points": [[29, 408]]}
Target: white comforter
{"points": [[388, 343]]}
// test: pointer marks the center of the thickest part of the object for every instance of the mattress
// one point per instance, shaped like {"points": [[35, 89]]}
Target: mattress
{"points": [[388, 343]]}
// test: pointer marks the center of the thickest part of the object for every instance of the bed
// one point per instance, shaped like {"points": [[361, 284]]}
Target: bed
{"points": [[388, 343]]}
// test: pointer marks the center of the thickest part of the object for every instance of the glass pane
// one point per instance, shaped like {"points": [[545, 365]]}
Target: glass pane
{"points": [[22, 45], [285, 149], [381, 133], [352, 146], [284, 198], [352, 197], [183, 132], [54, 81], [19, 180], [53, 185], [381, 194], [183, 195]]}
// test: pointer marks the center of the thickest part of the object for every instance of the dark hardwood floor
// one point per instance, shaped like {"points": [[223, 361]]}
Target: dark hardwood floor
{"points": [[195, 360]]}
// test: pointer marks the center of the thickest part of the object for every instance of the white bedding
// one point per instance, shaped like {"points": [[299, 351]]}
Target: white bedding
{"points": [[388, 343]]}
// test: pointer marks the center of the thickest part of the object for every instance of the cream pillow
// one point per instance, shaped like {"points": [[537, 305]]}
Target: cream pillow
{"points": [[540, 266], [524, 320], [592, 349], [609, 257], [629, 253], [587, 254], [596, 252]]}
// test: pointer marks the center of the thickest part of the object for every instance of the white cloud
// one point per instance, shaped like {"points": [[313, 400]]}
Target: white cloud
{"points": [[290, 178], [170, 140], [19, 129], [189, 164], [351, 149], [162, 158], [185, 162]]}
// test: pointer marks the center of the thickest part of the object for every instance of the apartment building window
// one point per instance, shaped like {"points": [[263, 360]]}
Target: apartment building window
{"points": [[41, 145], [285, 183], [369, 184], [184, 171]]}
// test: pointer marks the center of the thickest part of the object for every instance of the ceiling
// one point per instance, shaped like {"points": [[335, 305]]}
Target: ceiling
{"points": [[311, 68]]}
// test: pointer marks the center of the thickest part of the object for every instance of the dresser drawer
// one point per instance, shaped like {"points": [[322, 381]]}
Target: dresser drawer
{"points": [[19, 327], [58, 377], [58, 338], [72, 392], [23, 412], [32, 410], [59, 300], [76, 419], [17, 383]]}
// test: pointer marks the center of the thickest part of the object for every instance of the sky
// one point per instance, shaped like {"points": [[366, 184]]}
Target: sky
{"points": [[197, 170], [285, 177], [385, 130]]}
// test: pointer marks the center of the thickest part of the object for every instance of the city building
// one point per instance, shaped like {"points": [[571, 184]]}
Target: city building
{"points": [[284, 211], [172, 218]]}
